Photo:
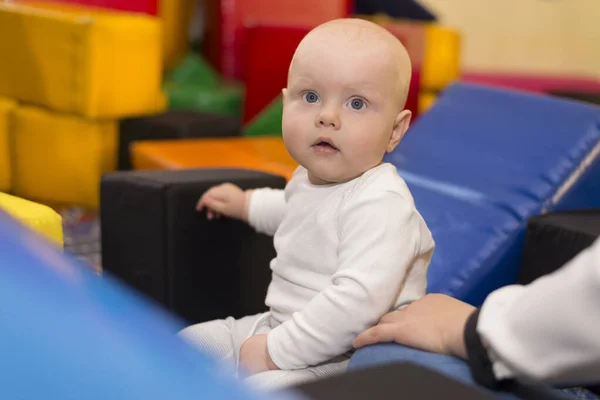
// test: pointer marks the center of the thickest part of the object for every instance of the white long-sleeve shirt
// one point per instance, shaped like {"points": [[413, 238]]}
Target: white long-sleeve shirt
{"points": [[549, 330], [346, 254]]}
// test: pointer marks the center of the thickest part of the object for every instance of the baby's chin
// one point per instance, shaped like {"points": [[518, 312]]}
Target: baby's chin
{"points": [[328, 178]]}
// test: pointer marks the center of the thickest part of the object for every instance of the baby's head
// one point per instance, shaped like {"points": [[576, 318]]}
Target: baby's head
{"points": [[344, 101]]}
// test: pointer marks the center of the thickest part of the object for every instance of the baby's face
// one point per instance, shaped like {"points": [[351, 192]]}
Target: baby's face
{"points": [[341, 105]]}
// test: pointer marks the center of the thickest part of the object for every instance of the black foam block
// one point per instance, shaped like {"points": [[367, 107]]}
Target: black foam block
{"points": [[173, 125], [155, 241], [586, 97], [390, 382], [554, 239]]}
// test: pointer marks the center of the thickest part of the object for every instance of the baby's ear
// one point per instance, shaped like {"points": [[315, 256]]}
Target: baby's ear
{"points": [[401, 124]]}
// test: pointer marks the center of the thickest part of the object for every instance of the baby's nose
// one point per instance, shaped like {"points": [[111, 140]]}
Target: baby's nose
{"points": [[329, 119]]}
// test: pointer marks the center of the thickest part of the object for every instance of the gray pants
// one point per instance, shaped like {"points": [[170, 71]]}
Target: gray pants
{"points": [[222, 339]]}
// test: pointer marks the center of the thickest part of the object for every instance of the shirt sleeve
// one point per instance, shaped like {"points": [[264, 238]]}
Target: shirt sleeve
{"points": [[266, 209], [546, 331], [380, 238]]}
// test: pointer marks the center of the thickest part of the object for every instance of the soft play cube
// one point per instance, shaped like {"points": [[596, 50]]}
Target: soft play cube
{"points": [[61, 157], [553, 239], [154, 240], [173, 125], [266, 154], [6, 108], [86, 61], [37, 217]]}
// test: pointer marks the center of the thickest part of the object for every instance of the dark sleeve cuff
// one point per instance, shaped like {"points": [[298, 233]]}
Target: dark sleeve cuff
{"points": [[477, 356]]}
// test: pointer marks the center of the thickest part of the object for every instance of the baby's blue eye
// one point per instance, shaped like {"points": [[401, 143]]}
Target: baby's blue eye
{"points": [[310, 97], [357, 104]]}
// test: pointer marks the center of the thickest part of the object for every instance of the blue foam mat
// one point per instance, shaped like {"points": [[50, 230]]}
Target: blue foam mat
{"points": [[65, 333], [484, 160]]}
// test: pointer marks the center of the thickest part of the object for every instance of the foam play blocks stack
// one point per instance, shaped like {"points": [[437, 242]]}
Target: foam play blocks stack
{"points": [[75, 71], [84, 61], [37, 217], [6, 109], [60, 158], [266, 154], [227, 19]]}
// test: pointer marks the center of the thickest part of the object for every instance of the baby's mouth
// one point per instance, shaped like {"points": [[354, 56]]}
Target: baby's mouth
{"points": [[325, 144]]}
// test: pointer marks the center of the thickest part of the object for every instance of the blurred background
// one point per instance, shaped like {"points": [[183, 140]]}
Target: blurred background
{"points": [[92, 86]]}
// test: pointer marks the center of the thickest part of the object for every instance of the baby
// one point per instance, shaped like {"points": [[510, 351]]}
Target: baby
{"points": [[351, 246]]}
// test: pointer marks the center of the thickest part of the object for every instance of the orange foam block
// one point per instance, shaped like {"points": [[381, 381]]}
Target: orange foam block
{"points": [[267, 154]]}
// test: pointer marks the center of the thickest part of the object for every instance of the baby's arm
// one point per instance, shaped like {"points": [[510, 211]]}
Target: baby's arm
{"points": [[262, 208], [265, 209], [384, 252]]}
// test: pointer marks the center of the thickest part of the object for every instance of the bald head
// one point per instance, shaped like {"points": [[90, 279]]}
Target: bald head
{"points": [[354, 40]]}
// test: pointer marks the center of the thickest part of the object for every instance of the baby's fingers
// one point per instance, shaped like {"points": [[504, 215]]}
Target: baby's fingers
{"points": [[212, 215]]}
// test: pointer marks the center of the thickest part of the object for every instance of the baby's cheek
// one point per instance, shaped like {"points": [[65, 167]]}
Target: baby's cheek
{"points": [[365, 143], [292, 116]]}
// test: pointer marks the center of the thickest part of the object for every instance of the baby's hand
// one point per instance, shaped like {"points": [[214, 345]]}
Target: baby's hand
{"points": [[226, 199], [254, 356]]}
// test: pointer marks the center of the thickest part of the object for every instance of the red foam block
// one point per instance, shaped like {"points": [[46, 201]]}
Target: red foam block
{"points": [[226, 20], [141, 6]]}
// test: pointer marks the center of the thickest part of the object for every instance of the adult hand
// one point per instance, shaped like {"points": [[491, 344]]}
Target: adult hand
{"points": [[434, 323]]}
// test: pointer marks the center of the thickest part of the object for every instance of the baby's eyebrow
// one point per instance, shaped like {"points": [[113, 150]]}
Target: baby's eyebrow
{"points": [[302, 81], [365, 91]]}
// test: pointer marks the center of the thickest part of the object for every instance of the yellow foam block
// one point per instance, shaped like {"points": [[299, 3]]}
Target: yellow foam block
{"points": [[176, 17], [441, 63], [60, 158], [38, 217], [426, 100], [6, 107], [100, 64]]}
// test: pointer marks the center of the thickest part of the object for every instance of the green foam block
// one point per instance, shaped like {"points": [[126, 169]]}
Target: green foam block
{"points": [[194, 70], [226, 99], [268, 122]]}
